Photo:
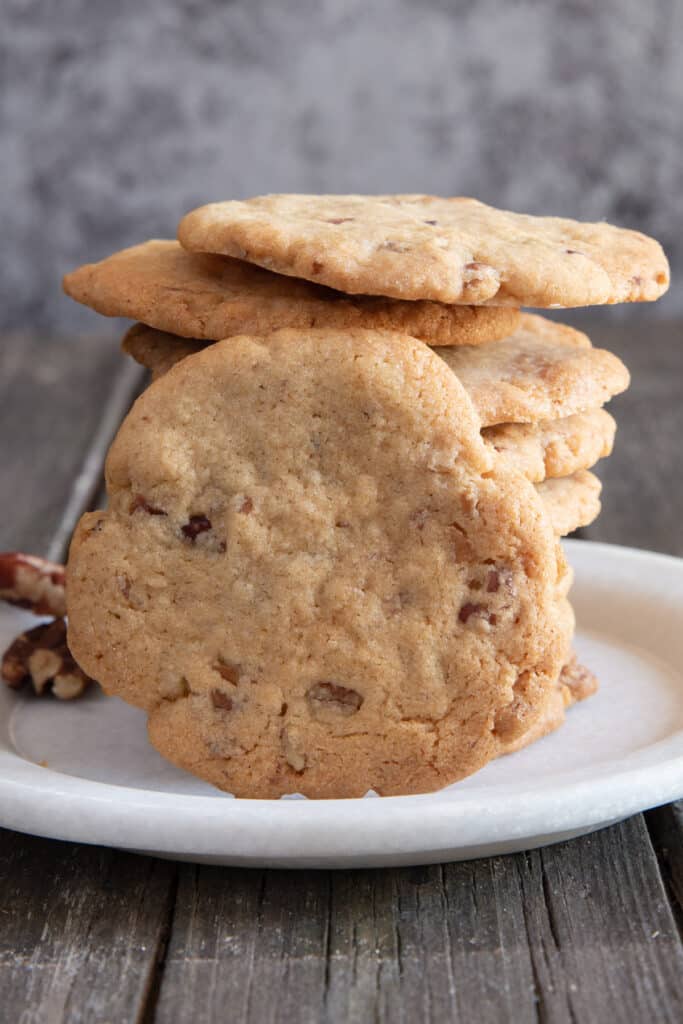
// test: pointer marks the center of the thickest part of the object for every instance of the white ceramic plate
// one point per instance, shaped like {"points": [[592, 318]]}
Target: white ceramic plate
{"points": [[84, 771]]}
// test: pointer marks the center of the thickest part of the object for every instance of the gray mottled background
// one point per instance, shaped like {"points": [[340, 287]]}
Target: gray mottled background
{"points": [[117, 116]]}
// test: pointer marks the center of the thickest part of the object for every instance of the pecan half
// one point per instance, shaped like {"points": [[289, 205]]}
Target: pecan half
{"points": [[229, 670], [332, 696], [195, 526], [220, 700], [41, 656], [33, 583], [479, 611]]}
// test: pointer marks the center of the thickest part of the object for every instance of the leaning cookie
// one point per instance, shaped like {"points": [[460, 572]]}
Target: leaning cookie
{"points": [[213, 297], [313, 575], [454, 250]]}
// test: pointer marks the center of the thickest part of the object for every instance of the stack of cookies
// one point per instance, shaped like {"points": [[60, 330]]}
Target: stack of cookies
{"points": [[330, 562]]}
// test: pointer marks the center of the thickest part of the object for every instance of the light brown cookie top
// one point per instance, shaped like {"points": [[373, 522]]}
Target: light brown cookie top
{"points": [[312, 573], [552, 448], [454, 250], [212, 297], [571, 501], [543, 371]]}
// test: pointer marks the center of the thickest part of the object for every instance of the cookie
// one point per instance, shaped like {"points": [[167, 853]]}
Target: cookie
{"points": [[543, 371], [312, 573], [553, 448], [454, 250], [575, 683], [550, 448], [214, 297], [571, 501], [158, 351]]}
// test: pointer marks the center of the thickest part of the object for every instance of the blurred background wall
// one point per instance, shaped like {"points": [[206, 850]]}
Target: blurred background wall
{"points": [[116, 116]]}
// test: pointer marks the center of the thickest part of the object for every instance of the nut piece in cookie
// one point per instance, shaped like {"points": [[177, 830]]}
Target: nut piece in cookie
{"points": [[454, 250], [364, 594]]}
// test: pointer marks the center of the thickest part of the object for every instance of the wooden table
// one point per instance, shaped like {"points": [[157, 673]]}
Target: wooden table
{"points": [[586, 931]]}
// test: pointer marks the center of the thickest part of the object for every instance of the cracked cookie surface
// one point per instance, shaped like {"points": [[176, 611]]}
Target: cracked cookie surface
{"points": [[455, 250], [209, 297], [313, 574]]}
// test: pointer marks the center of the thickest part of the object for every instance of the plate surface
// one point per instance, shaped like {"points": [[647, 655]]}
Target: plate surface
{"points": [[84, 771]]}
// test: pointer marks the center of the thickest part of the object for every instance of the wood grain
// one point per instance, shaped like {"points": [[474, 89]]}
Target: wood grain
{"points": [[60, 404], [80, 933], [81, 928], [578, 931]]}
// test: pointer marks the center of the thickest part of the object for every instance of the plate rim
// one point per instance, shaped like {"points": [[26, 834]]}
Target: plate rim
{"points": [[45, 802]]}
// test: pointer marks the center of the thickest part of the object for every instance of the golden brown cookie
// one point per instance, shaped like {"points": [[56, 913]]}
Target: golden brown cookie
{"points": [[571, 501], [214, 297], [158, 351], [312, 573], [455, 250], [543, 371], [549, 448], [552, 448], [575, 683]]}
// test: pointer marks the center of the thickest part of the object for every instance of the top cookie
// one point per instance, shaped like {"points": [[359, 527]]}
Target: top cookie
{"points": [[454, 250], [312, 573], [213, 297]]}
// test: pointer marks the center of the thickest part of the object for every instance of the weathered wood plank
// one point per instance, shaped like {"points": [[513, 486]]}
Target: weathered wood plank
{"points": [[601, 930], [253, 941], [666, 828], [80, 927], [80, 930], [60, 404], [579, 931]]}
